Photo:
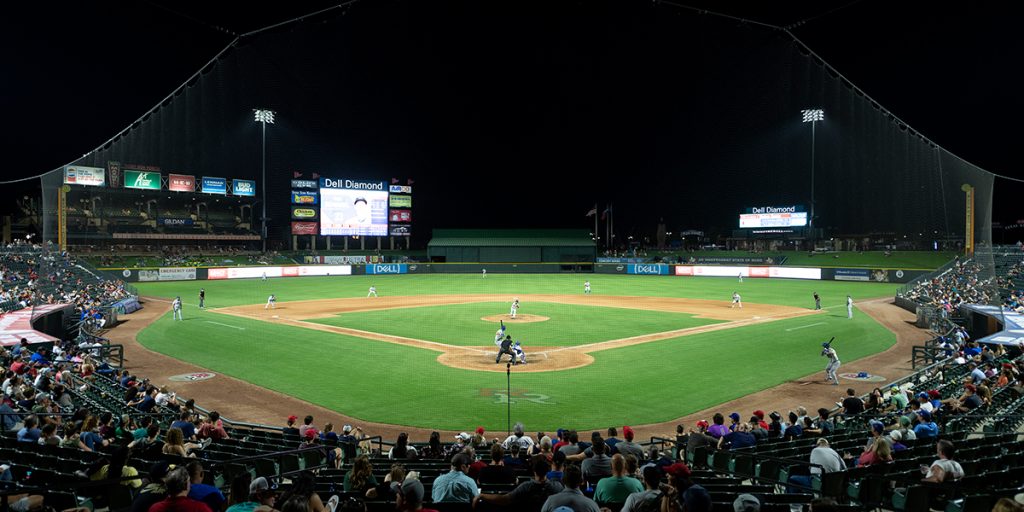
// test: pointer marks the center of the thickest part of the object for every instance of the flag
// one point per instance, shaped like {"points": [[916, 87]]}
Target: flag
{"points": [[315, 175], [394, 181], [296, 174], [592, 211], [604, 214], [409, 181]]}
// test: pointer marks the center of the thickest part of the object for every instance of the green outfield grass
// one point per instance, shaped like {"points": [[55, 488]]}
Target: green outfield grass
{"points": [[382, 382], [461, 324]]}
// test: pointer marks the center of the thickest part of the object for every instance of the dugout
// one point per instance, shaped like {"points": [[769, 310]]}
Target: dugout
{"points": [[549, 246]]}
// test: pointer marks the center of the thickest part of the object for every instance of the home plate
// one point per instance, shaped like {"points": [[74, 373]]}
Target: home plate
{"points": [[275, 316], [757, 318]]}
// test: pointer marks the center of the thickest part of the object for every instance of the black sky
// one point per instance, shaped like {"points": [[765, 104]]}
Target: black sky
{"points": [[79, 73]]}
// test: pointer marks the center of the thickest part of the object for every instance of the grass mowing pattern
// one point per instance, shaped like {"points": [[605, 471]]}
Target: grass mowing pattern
{"points": [[640, 384], [461, 324]]}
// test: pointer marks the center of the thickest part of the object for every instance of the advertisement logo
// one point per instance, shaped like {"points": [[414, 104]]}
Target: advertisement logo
{"points": [[400, 189], [304, 197], [175, 221], [215, 185], [78, 175], [393, 268], [305, 184], [649, 270], [303, 213], [243, 188], [399, 230], [400, 201], [305, 228], [181, 183], [351, 184], [403, 216], [141, 179]]}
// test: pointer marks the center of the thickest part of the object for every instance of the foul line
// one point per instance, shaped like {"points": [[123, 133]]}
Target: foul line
{"points": [[225, 325], [804, 326]]}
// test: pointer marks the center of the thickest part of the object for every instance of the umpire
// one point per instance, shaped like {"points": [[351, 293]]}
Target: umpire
{"points": [[506, 348]]}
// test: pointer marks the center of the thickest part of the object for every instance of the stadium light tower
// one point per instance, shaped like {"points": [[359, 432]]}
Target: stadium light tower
{"points": [[812, 115], [264, 117]]}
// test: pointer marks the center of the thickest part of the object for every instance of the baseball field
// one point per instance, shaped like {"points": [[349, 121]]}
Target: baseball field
{"points": [[639, 349]]}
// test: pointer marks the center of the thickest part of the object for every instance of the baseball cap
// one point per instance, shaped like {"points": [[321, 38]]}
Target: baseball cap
{"points": [[759, 413], [627, 432], [825, 344], [933, 393], [311, 434], [746, 503], [735, 416], [895, 435], [346, 428], [412, 490], [922, 395], [258, 485], [480, 430], [677, 469], [293, 418], [697, 498], [895, 389], [925, 415], [463, 436], [971, 387], [877, 426]]}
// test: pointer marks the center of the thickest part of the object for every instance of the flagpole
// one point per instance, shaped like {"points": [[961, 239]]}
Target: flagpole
{"points": [[596, 233], [611, 221]]}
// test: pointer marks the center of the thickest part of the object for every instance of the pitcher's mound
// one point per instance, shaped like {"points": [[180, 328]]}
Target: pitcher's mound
{"points": [[543, 359], [519, 319]]}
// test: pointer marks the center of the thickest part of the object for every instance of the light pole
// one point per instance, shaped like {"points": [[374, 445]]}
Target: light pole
{"points": [[264, 117], [812, 116]]}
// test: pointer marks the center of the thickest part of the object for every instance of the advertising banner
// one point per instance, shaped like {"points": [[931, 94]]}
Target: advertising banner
{"points": [[144, 180], [400, 230], [353, 212], [400, 189], [177, 274], [304, 197], [181, 183], [215, 185], [295, 271], [400, 202], [794, 272], [647, 269], [350, 260], [761, 272], [388, 268], [400, 216], [244, 188], [852, 274], [305, 228], [174, 221], [303, 213], [305, 184], [80, 175], [149, 275]]}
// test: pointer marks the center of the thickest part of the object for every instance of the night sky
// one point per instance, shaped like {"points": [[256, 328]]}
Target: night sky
{"points": [[79, 73]]}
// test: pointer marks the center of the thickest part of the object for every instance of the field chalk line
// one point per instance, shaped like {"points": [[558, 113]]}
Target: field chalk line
{"points": [[804, 326], [225, 325]]}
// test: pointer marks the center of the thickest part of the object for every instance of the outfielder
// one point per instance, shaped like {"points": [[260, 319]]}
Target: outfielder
{"points": [[484, 273], [373, 291], [515, 307], [833, 362], [817, 301], [849, 307], [202, 298], [271, 302], [176, 307], [505, 348], [586, 287], [736, 300], [264, 276], [741, 277]]}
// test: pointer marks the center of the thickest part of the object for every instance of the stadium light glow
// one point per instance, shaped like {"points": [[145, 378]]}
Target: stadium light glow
{"points": [[264, 116], [810, 115]]}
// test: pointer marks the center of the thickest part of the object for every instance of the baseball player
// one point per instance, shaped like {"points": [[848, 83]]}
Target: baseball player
{"points": [[833, 362], [484, 273], [515, 307], [505, 348], [586, 287], [202, 298], [817, 301], [849, 307], [736, 301], [271, 302], [264, 276], [373, 291], [176, 307], [499, 334], [518, 353], [740, 277]]}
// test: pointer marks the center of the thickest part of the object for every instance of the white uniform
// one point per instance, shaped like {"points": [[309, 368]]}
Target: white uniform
{"points": [[373, 291], [176, 307], [586, 287], [849, 307], [498, 336], [484, 272], [271, 302], [519, 353], [264, 276], [833, 365], [741, 277], [515, 308], [736, 300]]}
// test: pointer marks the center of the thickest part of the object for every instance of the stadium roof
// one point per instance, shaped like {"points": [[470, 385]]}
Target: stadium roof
{"points": [[511, 238]]}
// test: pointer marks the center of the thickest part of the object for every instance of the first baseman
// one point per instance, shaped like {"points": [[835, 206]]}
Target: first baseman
{"points": [[736, 300], [271, 302]]}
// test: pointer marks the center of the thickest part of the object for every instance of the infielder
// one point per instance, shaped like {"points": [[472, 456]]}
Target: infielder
{"points": [[736, 301], [505, 348], [833, 362], [202, 298], [515, 307], [849, 307], [373, 291], [176, 307], [586, 287], [817, 301], [271, 302]]}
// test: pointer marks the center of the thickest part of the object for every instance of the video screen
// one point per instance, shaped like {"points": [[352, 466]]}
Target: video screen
{"points": [[353, 212]]}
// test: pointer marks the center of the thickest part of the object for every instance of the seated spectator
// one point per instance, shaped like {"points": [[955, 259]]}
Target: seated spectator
{"points": [[29, 433], [360, 478], [741, 438], [944, 469], [518, 437], [628, 447], [307, 423], [898, 399], [174, 444], [497, 472], [650, 497], [392, 484], [154, 491], [118, 469], [926, 428], [261, 497], [529, 495], [571, 496], [879, 453], [824, 460], [794, 430], [717, 428], [410, 499], [202, 492], [213, 429], [617, 487], [401, 450], [746, 503], [184, 423], [598, 466], [455, 485], [760, 433], [290, 429]]}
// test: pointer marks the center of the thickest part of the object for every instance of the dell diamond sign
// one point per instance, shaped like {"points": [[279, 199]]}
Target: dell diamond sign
{"points": [[647, 270], [393, 268]]}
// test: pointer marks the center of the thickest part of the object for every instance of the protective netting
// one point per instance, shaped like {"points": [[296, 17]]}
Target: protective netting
{"points": [[655, 98]]}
